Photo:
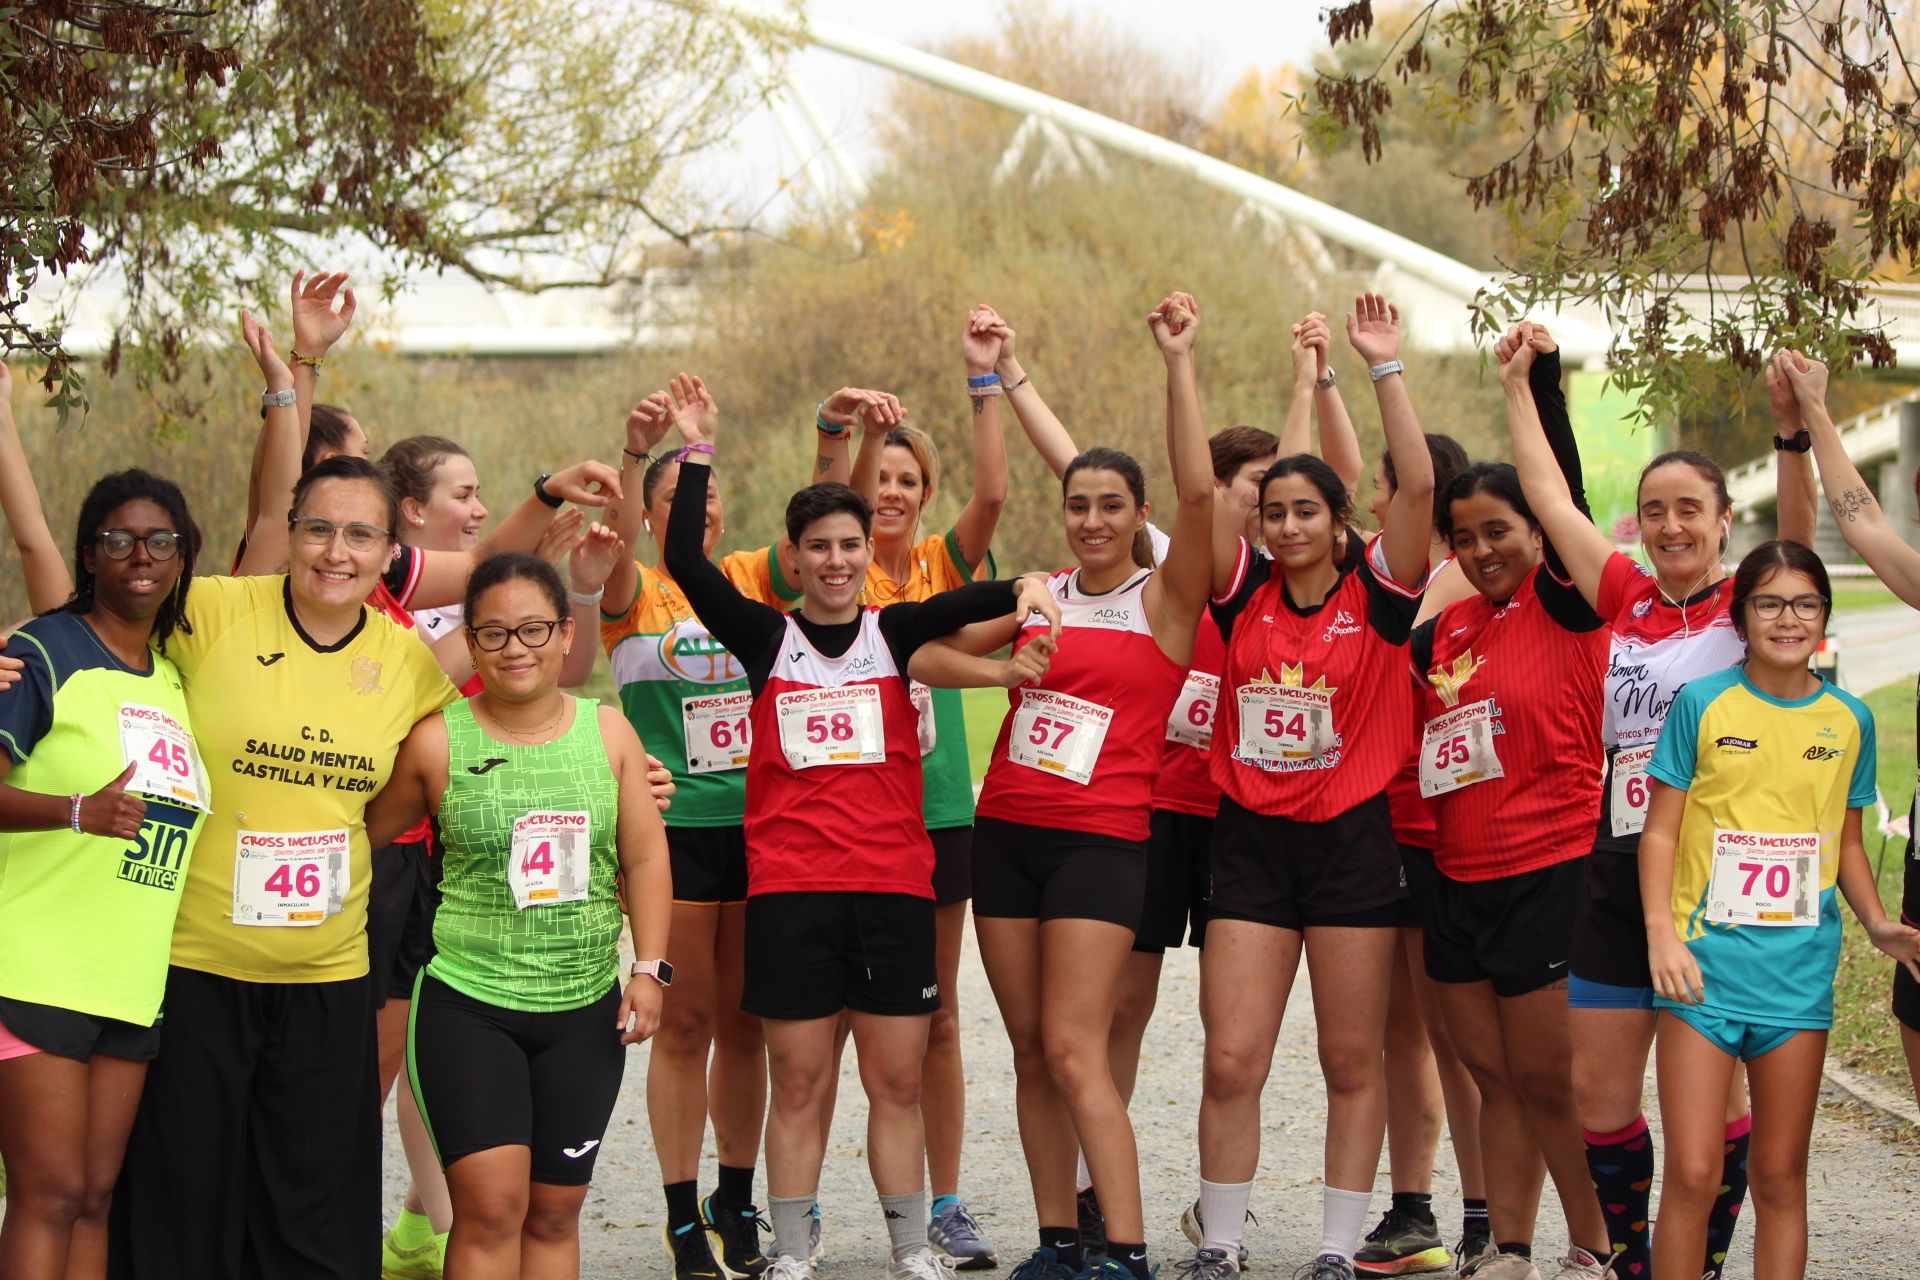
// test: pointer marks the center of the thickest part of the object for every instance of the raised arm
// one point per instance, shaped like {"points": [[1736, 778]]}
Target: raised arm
{"points": [[1863, 522], [316, 328], [1373, 327], [1044, 431], [647, 425], [598, 550], [981, 516], [444, 574], [875, 413], [1296, 430], [1582, 548], [42, 568], [1796, 491], [279, 450], [1177, 593], [645, 878], [1339, 443]]}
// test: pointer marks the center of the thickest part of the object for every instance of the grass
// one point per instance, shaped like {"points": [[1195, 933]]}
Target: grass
{"points": [[986, 708], [1860, 593]]}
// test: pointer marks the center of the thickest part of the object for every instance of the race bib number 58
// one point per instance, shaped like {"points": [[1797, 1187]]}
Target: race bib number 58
{"points": [[843, 725]]}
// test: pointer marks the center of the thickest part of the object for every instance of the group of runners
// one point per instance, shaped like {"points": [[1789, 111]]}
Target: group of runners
{"points": [[1531, 809]]}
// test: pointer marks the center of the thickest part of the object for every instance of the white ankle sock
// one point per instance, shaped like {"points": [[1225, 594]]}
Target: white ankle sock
{"points": [[1081, 1178], [1223, 1216], [1343, 1214]]}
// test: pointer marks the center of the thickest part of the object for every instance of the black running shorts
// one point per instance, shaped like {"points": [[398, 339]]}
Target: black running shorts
{"points": [[1024, 872], [1175, 906], [952, 864], [1344, 872], [709, 864], [1513, 932], [812, 954], [400, 906]]}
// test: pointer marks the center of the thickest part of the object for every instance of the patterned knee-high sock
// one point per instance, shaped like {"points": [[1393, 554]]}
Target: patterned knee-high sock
{"points": [[1733, 1191], [1622, 1167]]}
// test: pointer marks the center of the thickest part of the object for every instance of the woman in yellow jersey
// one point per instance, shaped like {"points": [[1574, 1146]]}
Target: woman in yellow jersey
{"points": [[92, 866], [687, 698], [898, 472]]}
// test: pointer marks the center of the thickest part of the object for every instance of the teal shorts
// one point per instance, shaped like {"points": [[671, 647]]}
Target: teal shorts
{"points": [[1735, 1037]]}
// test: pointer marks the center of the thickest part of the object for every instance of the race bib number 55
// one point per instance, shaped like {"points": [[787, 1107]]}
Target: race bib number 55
{"points": [[1457, 750]]}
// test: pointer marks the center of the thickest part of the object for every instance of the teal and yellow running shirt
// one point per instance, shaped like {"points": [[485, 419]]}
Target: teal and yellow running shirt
{"points": [[1768, 787], [86, 922], [529, 913]]}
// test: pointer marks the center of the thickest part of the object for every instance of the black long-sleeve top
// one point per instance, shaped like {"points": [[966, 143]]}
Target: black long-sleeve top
{"points": [[753, 631]]}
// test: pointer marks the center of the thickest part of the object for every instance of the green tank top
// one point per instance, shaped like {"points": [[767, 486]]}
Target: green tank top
{"points": [[529, 914]]}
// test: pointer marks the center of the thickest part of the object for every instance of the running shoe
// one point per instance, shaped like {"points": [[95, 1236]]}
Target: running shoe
{"points": [[1042, 1264], [1578, 1264], [922, 1264], [1196, 1232], [1107, 1267], [1491, 1264], [813, 1239], [1328, 1266], [1093, 1224], [734, 1236], [955, 1233], [1474, 1241], [692, 1257], [423, 1262], [1206, 1264], [788, 1267], [1402, 1245]]}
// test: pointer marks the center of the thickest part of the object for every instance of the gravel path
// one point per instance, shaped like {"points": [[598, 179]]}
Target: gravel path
{"points": [[1865, 1185]]}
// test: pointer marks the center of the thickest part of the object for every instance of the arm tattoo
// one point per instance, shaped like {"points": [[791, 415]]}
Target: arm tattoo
{"points": [[825, 463], [1851, 503], [979, 404]]}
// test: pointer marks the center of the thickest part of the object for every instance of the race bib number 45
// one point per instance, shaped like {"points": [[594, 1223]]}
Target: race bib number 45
{"points": [[1057, 734], [1764, 878], [166, 764], [290, 878], [550, 858], [832, 726]]}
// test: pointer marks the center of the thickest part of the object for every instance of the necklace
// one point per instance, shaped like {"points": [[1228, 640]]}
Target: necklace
{"points": [[535, 736], [916, 572]]}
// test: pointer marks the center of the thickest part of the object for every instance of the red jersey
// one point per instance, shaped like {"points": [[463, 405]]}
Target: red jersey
{"points": [[1413, 815], [1510, 754], [1079, 752], [390, 596], [1314, 702], [833, 780], [1185, 783]]}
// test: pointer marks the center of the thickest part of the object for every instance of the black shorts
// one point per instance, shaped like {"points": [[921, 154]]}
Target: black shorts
{"points": [[1023, 872], [1609, 929], [952, 864], [256, 1148], [709, 864], [812, 954], [489, 1077], [68, 1033], [1174, 908], [1421, 873], [1513, 932], [1344, 872], [400, 906]]}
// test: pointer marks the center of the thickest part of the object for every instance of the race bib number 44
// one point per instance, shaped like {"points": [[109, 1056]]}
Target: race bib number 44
{"points": [[1627, 790], [1285, 725], [1457, 750], [832, 726], [550, 859], [717, 730], [1764, 878], [1057, 734], [166, 764], [290, 878]]}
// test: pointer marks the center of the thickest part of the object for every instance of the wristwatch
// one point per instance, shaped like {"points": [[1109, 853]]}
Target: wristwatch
{"points": [[540, 491], [276, 399], [1799, 442], [659, 970], [1379, 371], [1321, 384]]}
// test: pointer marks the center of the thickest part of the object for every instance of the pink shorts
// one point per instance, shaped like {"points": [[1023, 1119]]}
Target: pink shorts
{"points": [[12, 1046]]}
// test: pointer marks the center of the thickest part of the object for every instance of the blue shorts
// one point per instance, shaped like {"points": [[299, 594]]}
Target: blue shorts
{"points": [[1735, 1037], [1585, 993]]}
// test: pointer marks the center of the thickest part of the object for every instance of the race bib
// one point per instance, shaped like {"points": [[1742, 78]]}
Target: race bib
{"points": [[717, 731], [1627, 790], [1057, 734], [1285, 724], [1457, 750], [290, 878], [166, 764], [832, 726], [1762, 878], [1191, 720], [550, 859], [923, 707]]}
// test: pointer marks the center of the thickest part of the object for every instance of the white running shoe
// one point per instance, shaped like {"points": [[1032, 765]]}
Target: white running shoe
{"points": [[922, 1264], [1581, 1265], [1494, 1265], [1196, 1233], [788, 1267]]}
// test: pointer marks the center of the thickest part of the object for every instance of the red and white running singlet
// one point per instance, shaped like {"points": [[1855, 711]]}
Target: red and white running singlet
{"points": [[1185, 783], [1079, 752], [833, 782]]}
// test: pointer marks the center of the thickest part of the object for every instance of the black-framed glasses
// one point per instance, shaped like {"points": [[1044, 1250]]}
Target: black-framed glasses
{"points": [[318, 531], [1805, 608], [532, 635], [161, 544]]}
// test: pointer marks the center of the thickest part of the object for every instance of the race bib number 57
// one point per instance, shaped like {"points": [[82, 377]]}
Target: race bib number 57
{"points": [[1057, 734]]}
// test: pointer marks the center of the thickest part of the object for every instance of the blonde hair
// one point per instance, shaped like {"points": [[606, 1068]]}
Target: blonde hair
{"points": [[920, 445]]}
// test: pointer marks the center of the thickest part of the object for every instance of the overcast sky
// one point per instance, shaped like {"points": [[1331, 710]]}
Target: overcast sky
{"points": [[1224, 37]]}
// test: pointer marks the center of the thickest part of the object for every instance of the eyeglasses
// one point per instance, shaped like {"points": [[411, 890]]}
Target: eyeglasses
{"points": [[1805, 608], [318, 531], [532, 634], [161, 544]]}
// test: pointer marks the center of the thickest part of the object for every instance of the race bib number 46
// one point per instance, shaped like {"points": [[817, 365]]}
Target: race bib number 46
{"points": [[832, 726], [290, 878], [166, 765], [717, 730], [550, 859], [1627, 790], [1457, 750], [1285, 725], [1057, 734], [1763, 878]]}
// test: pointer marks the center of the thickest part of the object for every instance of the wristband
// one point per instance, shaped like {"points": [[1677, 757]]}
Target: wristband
{"points": [[1799, 442], [1321, 384], [312, 362], [644, 459], [983, 380], [73, 813], [835, 429], [276, 399], [584, 600], [1024, 380], [989, 389], [540, 491], [1379, 371], [701, 447]]}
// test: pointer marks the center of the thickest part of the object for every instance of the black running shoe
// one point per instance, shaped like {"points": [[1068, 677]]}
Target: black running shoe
{"points": [[692, 1259], [1093, 1226], [736, 1233]]}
